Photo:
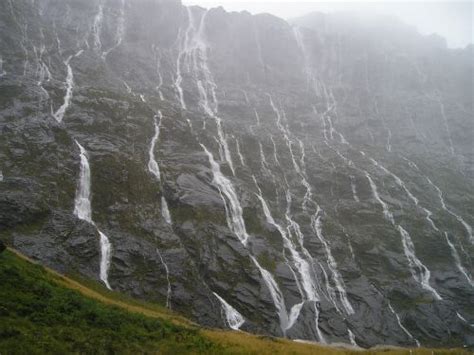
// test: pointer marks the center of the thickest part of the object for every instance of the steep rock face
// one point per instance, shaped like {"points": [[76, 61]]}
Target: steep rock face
{"points": [[318, 176]]}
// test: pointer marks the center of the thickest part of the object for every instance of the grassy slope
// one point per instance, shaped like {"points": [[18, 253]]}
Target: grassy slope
{"points": [[44, 312]]}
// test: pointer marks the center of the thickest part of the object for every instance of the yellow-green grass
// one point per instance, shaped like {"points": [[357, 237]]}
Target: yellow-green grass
{"points": [[144, 327]]}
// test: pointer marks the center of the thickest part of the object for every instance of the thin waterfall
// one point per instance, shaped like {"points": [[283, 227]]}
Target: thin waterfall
{"points": [[59, 114], [405, 330], [233, 318], [168, 293], [235, 219], [83, 211]]}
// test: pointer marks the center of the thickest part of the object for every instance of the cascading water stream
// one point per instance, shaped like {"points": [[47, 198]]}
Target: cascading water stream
{"points": [[59, 114], [354, 188], [165, 212], [106, 255], [457, 260], [405, 330], [276, 295], [194, 50], [153, 166], [400, 183], [233, 318], [2, 71], [168, 292], [236, 224], [418, 270], [339, 282], [97, 28], [301, 171], [235, 219], [83, 211], [466, 226], [120, 31], [301, 265]]}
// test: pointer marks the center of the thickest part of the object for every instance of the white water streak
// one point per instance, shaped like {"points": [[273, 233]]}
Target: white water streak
{"points": [[165, 212], [354, 188], [120, 31], [301, 265], [239, 153], [352, 338], [233, 318], [400, 183], [2, 71], [82, 203], [59, 114], [82, 209], [405, 330], [446, 124], [153, 166], [387, 214], [418, 270], [457, 260], [97, 28], [339, 282], [168, 292], [106, 255], [235, 218], [276, 295], [466, 226]]}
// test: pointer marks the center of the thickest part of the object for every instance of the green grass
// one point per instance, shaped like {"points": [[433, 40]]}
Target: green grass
{"points": [[38, 315]]}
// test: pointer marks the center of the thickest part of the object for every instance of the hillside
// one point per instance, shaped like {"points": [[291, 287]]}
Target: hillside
{"points": [[43, 312], [311, 180]]}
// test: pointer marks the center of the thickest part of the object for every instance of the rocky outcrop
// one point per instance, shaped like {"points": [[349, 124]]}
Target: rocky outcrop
{"points": [[355, 136]]}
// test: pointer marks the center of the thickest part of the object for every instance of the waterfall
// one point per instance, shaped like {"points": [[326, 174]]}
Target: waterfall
{"points": [[165, 212], [339, 282], [352, 338], [446, 124], [168, 293], [354, 188], [457, 260], [235, 218], [423, 274], [119, 33], [418, 270], [239, 153], [97, 28], [466, 226], [152, 163], [233, 318], [106, 254], [2, 71], [400, 183], [387, 214], [405, 330], [82, 203], [82, 209], [276, 295], [299, 263], [59, 114]]}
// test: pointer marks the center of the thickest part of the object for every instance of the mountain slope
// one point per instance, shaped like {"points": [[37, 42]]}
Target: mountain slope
{"points": [[310, 181]]}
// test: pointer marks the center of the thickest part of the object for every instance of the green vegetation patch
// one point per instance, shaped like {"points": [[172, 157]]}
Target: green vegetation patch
{"points": [[39, 316]]}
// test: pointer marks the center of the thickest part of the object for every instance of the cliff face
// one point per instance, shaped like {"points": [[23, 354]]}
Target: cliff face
{"points": [[318, 176]]}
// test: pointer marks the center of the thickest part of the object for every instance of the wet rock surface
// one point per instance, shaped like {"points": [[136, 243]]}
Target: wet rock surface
{"points": [[348, 131]]}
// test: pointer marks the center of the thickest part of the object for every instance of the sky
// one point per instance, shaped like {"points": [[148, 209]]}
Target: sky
{"points": [[450, 19]]}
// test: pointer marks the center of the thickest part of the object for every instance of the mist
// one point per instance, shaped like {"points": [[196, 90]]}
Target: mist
{"points": [[449, 19]]}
